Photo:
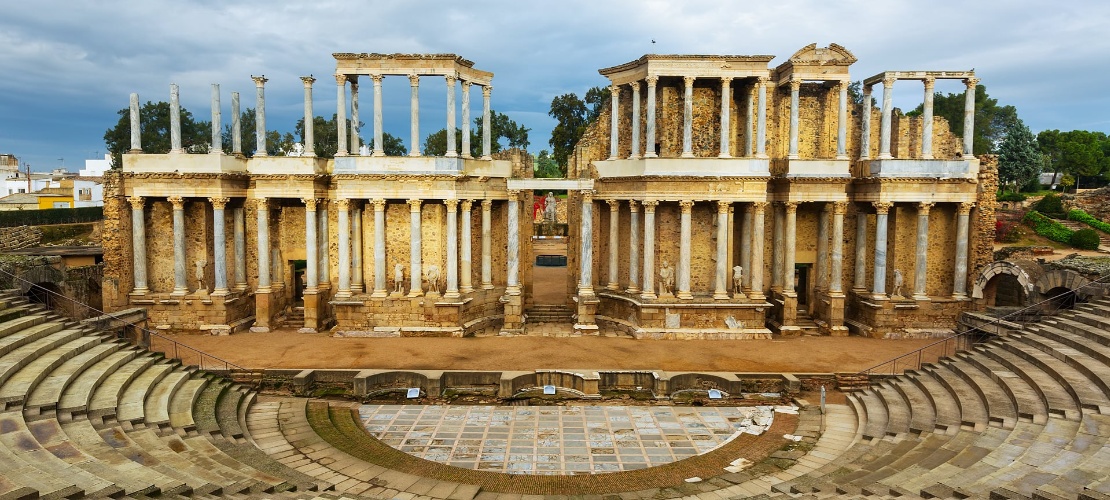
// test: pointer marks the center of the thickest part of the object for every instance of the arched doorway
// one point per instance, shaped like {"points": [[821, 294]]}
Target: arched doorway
{"points": [[1059, 298], [47, 294], [1004, 290]]}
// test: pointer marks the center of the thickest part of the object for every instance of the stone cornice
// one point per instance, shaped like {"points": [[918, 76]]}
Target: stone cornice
{"points": [[401, 177], [684, 57], [689, 178], [184, 175], [283, 177]]}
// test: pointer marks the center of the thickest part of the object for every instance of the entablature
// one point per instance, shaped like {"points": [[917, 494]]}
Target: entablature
{"points": [[375, 64], [695, 66]]}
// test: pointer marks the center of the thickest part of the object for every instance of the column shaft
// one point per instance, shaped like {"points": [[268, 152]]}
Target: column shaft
{"points": [[865, 125], [236, 126], [219, 245], [688, 118], [309, 137], [959, 280], [969, 116], [512, 260], [614, 243], [357, 283], [486, 137], [466, 274], [175, 119], [180, 287], [777, 246], [341, 114], [312, 260], [756, 272], [356, 140], [217, 145], [859, 281], [842, 122], [682, 285], [452, 248], [379, 134], [138, 245], [487, 245], [922, 252], [795, 90], [343, 219], [635, 150], [416, 284], [465, 153], [262, 216], [721, 290], [927, 120], [414, 116], [884, 126], [761, 118], [379, 249], [322, 246], [648, 290], [240, 235], [791, 245], [260, 116], [136, 129], [586, 248], [451, 153], [649, 143], [614, 121], [879, 280], [746, 248], [726, 109], [821, 265], [749, 122], [836, 270], [633, 248]]}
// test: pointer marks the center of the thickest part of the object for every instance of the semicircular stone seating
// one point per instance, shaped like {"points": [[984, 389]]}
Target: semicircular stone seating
{"points": [[1024, 415]]}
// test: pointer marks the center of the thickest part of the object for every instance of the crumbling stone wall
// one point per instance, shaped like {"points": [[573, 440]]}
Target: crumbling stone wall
{"points": [[14, 238]]}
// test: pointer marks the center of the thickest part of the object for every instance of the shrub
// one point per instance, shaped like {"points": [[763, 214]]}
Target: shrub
{"points": [[1050, 205], [1047, 227], [1087, 239], [1088, 219], [1011, 197], [50, 216]]}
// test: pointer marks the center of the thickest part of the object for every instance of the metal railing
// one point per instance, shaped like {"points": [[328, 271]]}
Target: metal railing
{"points": [[100, 321], [967, 338]]}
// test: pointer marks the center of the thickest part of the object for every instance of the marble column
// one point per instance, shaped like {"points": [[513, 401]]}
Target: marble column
{"points": [[777, 247], [865, 126], [586, 247], [465, 153], [884, 125], [175, 119], [357, 283], [682, 281], [452, 291], [614, 121], [688, 118], [842, 121], [512, 259], [859, 280], [416, 283], [758, 210], [614, 243], [341, 114], [720, 292], [959, 279], [414, 115], [882, 208], [324, 245], [136, 129], [836, 269], [969, 116], [749, 122], [466, 274], [795, 90], [356, 136], [219, 245], [380, 271], [649, 142], [236, 126], [379, 134], [260, 115], [633, 248], [761, 118], [486, 137], [922, 252], [927, 119], [791, 236], [635, 150], [308, 136], [180, 287], [138, 245], [217, 145], [487, 245], [648, 290], [726, 108], [343, 220], [821, 264], [451, 153], [746, 248], [312, 259], [262, 215], [239, 230]]}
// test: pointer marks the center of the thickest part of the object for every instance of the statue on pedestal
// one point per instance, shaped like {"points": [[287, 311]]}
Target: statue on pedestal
{"points": [[737, 278], [432, 276], [666, 278], [549, 208], [399, 278], [200, 276], [897, 291]]}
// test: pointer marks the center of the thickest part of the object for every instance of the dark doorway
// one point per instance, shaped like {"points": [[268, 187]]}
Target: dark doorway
{"points": [[801, 283], [1060, 298], [298, 267]]}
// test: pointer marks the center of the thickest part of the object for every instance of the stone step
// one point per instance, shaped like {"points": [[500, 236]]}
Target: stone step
{"points": [[19, 323], [876, 425], [1074, 340], [294, 430], [166, 460], [935, 451], [200, 462], [18, 358], [181, 406], [1028, 404], [132, 478], [131, 406], [48, 392], [897, 410], [78, 394], [227, 412], [973, 412], [1098, 373], [999, 403], [1090, 325], [168, 479], [1025, 462], [923, 415], [106, 395], [18, 442], [945, 406], [22, 311], [1053, 395], [156, 407], [15, 390], [1083, 387], [39, 328], [1092, 335]]}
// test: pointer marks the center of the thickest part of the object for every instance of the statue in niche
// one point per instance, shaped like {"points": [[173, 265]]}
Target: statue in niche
{"points": [[399, 278], [549, 208], [432, 276], [737, 278], [897, 291], [666, 278], [200, 276]]}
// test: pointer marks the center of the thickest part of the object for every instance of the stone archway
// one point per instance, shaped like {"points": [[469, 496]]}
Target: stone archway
{"points": [[1012, 278], [1055, 285]]}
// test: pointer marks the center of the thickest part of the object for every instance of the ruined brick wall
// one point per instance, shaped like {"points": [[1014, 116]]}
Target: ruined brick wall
{"points": [[14, 238], [981, 245], [118, 277]]}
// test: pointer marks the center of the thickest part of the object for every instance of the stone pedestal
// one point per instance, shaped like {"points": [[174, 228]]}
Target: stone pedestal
{"points": [[262, 311], [311, 312], [587, 315], [514, 313]]}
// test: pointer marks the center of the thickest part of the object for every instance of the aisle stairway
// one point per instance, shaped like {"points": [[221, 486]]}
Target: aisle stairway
{"points": [[1104, 239]]}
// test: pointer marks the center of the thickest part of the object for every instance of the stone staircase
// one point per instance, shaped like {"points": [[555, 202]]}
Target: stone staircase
{"points": [[294, 318], [549, 313], [1104, 239]]}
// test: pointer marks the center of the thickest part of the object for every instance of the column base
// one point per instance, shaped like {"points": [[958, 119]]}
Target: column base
{"points": [[841, 157], [451, 154], [379, 294], [756, 295], [648, 296], [487, 286], [415, 293], [343, 294], [139, 291], [650, 155], [880, 296], [684, 295], [466, 289], [179, 291], [241, 287], [220, 292], [451, 294], [378, 152], [687, 154], [792, 157], [512, 290], [724, 155], [720, 295], [613, 286], [960, 296], [486, 157], [356, 288], [920, 298], [633, 290]]}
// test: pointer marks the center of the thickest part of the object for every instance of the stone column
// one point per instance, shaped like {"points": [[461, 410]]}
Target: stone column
{"points": [[726, 108], [884, 126], [452, 291], [240, 236], [969, 116], [649, 143], [416, 283], [465, 153], [795, 89], [136, 129], [324, 246], [648, 290], [927, 120], [487, 245], [761, 118], [341, 114], [836, 270], [614, 244], [746, 248], [379, 249], [379, 134], [512, 260], [865, 126], [821, 265], [180, 287], [175, 119], [635, 150], [586, 248], [260, 115], [842, 122], [682, 281], [217, 146], [749, 122], [138, 245], [219, 245], [614, 121], [859, 281], [343, 219], [791, 209], [633, 248], [414, 115], [882, 208], [486, 137], [263, 218], [308, 137], [777, 247], [922, 252], [236, 127], [959, 280], [466, 274], [356, 137], [356, 248], [721, 290], [759, 209], [451, 153], [312, 259], [688, 118]]}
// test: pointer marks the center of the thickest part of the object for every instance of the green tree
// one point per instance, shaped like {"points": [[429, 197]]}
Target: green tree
{"points": [[274, 139], [573, 115], [1081, 155], [154, 125], [991, 120], [1019, 159], [1048, 141], [501, 127], [436, 143], [547, 167]]}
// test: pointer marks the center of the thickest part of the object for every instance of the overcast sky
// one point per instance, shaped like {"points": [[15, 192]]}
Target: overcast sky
{"points": [[66, 67]]}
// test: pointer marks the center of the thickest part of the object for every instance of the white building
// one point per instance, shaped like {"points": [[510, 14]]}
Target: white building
{"points": [[88, 186]]}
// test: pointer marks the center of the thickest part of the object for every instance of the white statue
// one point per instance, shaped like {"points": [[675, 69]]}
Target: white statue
{"points": [[737, 278], [200, 275], [432, 275], [298, 150], [549, 207], [399, 278], [897, 292], [733, 323], [364, 150], [666, 277]]}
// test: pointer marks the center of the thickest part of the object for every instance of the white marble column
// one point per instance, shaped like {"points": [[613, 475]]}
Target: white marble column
{"points": [[614, 121], [379, 134], [749, 122], [486, 137], [323, 247], [649, 143], [414, 115], [451, 153], [821, 264], [180, 286], [512, 259], [465, 153], [236, 126], [416, 283], [633, 248], [262, 216], [758, 210], [356, 137], [836, 270], [777, 247], [882, 208], [969, 116], [865, 126], [682, 281], [761, 117], [791, 236], [795, 90], [217, 145], [136, 129], [452, 291], [312, 259], [648, 290], [635, 150], [859, 281], [884, 125], [688, 118], [746, 248], [922, 252], [343, 220], [614, 243], [959, 279], [720, 292], [927, 119], [726, 109], [487, 245], [357, 283], [138, 245], [239, 230], [341, 114], [465, 259], [309, 128], [586, 247], [260, 115], [380, 271], [842, 121], [175, 119], [219, 245]]}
